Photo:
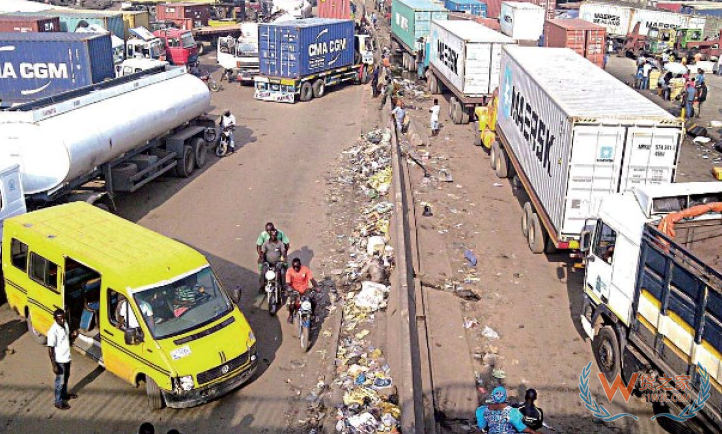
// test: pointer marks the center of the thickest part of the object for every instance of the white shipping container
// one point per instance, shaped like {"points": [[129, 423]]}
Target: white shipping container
{"points": [[620, 20], [522, 21], [577, 133], [467, 54]]}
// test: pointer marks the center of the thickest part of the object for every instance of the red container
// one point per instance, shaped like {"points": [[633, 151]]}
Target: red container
{"points": [[670, 6], [186, 16], [340, 9], [491, 23], [585, 38], [493, 7], [22, 24]]}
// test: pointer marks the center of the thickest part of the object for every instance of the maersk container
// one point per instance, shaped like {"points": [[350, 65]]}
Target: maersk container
{"points": [[620, 20], [72, 19], [522, 21], [295, 49], [467, 54], [37, 65], [574, 133], [411, 20], [472, 7]]}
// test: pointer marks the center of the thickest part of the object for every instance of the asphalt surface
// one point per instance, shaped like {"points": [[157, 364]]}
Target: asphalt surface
{"points": [[277, 175]]}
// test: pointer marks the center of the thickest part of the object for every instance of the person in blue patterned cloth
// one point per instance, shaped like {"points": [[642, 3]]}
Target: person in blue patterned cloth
{"points": [[498, 417]]}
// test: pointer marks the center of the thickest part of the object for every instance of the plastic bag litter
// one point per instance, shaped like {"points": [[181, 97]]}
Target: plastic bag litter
{"points": [[362, 420], [489, 333], [375, 244], [372, 296]]}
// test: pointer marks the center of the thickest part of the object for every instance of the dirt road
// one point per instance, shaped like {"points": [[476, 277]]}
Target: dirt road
{"points": [[277, 175]]}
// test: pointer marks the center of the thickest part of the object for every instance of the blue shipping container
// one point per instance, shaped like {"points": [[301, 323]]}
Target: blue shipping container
{"points": [[38, 65], [295, 49], [473, 7]]}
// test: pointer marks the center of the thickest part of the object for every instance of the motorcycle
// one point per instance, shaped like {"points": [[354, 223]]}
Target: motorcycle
{"points": [[304, 315], [274, 286], [225, 143], [206, 78]]}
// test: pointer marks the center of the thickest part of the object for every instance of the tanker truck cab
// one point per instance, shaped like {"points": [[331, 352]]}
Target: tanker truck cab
{"points": [[148, 308]]}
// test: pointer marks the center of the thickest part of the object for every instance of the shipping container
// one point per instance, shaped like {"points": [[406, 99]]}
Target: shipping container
{"points": [[295, 49], [491, 23], [522, 21], [186, 16], [135, 19], [466, 55], [411, 21], [340, 9], [70, 20], [670, 6], [620, 20], [493, 7], [37, 65], [585, 38], [573, 133], [472, 7], [16, 23]]}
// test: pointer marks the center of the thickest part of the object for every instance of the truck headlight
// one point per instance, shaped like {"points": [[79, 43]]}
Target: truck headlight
{"points": [[186, 382], [251, 336]]}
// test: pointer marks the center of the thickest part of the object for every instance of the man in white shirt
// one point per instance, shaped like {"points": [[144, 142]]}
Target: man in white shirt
{"points": [[59, 339], [127, 319], [229, 121], [645, 75], [435, 109]]}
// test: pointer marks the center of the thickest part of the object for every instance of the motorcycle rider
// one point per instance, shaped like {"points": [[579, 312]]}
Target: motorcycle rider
{"points": [[298, 279], [264, 236], [274, 257], [228, 121]]}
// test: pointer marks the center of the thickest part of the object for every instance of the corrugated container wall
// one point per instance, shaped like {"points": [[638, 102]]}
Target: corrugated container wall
{"points": [[620, 20], [472, 7], [69, 20], [491, 23], [411, 20], [185, 15], [340, 9], [493, 7], [670, 6], [14, 23], [133, 19], [586, 39], [578, 133], [522, 21], [294, 49], [60, 62]]}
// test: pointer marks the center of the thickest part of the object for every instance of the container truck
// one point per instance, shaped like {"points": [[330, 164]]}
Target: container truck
{"points": [[410, 27], [300, 59], [90, 143], [465, 61], [15, 23], [652, 297], [471, 7], [585, 38], [522, 21], [37, 65], [571, 133], [239, 56], [180, 46]]}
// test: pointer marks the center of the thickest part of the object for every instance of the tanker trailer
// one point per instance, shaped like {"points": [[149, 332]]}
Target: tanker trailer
{"points": [[111, 137]]}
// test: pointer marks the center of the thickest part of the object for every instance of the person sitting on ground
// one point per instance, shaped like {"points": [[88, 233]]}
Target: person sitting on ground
{"points": [[532, 416], [499, 417]]}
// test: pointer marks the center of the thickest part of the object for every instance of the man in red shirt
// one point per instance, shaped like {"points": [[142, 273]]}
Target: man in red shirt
{"points": [[298, 279]]}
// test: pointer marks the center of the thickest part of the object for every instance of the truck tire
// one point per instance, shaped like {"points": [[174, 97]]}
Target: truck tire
{"points": [[501, 162], [365, 78], [319, 88], [186, 163], [464, 114], [37, 336], [492, 154], [200, 151], [536, 237], [155, 397], [306, 92], [607, 353], [201, 48], [477, 134], [526, 218], [452, 102], [356, 58]]}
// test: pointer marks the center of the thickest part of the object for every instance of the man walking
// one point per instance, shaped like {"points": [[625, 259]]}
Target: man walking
{"points": [[388, 93], [59, 339], [435, 109], [399, 114], [375, 81]]}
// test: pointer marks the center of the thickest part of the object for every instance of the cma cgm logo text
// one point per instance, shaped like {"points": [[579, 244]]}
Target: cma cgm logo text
{"points": [[402, 21], [33, 70], [448, 56], [321, 48]]}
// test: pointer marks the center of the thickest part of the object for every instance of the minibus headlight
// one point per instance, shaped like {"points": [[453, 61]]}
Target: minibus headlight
{"points": [[186, 382], [251, 336]]}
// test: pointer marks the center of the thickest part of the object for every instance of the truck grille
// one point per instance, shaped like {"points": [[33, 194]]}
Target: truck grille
{"points": [[221, 370]]}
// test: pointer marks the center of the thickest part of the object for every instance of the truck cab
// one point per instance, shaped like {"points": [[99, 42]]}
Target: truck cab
{"points": [[144, 44], [136, 65], [364, 46], [180, 46], [240, 55]]}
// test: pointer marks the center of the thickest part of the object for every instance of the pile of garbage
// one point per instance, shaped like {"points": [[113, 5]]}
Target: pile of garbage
{"points": [[366, 398]]}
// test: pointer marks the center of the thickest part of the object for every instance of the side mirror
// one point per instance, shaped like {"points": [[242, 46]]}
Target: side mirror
{"points": [[585, 241], [236, 294], [133, 336]]}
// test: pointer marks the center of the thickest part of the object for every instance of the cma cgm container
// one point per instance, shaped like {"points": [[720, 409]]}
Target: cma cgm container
{"points": [[472, 7], [522, 21], [15, 23], [37, 65], [410, 25], [573, 133], [585, 38], [340, 9], [464, 57]]}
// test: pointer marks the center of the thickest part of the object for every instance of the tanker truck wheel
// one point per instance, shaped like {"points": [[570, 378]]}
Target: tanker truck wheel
{"points": [[306, 92], [200, 150], [319, 88], [186, 163]]}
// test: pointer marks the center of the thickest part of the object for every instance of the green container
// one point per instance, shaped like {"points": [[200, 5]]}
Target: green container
{"points": [[411, 20]]}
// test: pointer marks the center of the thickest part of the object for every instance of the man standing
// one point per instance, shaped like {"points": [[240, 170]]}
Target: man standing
{"points": [[500, 417], [388, 93], [699, 79], [298, 279], [375, 81], [59, 339], [399, 114], [645, 75], [701, 97], [229, 121], [435, 109], [691, 94]]}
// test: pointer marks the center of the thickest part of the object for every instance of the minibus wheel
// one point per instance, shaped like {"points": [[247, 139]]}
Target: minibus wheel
{"points": [[37, 336], [155, 398]]}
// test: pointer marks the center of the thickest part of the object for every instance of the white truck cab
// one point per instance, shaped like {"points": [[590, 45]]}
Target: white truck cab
{"points": [[137, 64], [365, 47], [240, 55]]}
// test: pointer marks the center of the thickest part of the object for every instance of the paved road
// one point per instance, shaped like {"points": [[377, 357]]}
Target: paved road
{"points": [[278, 174]]}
